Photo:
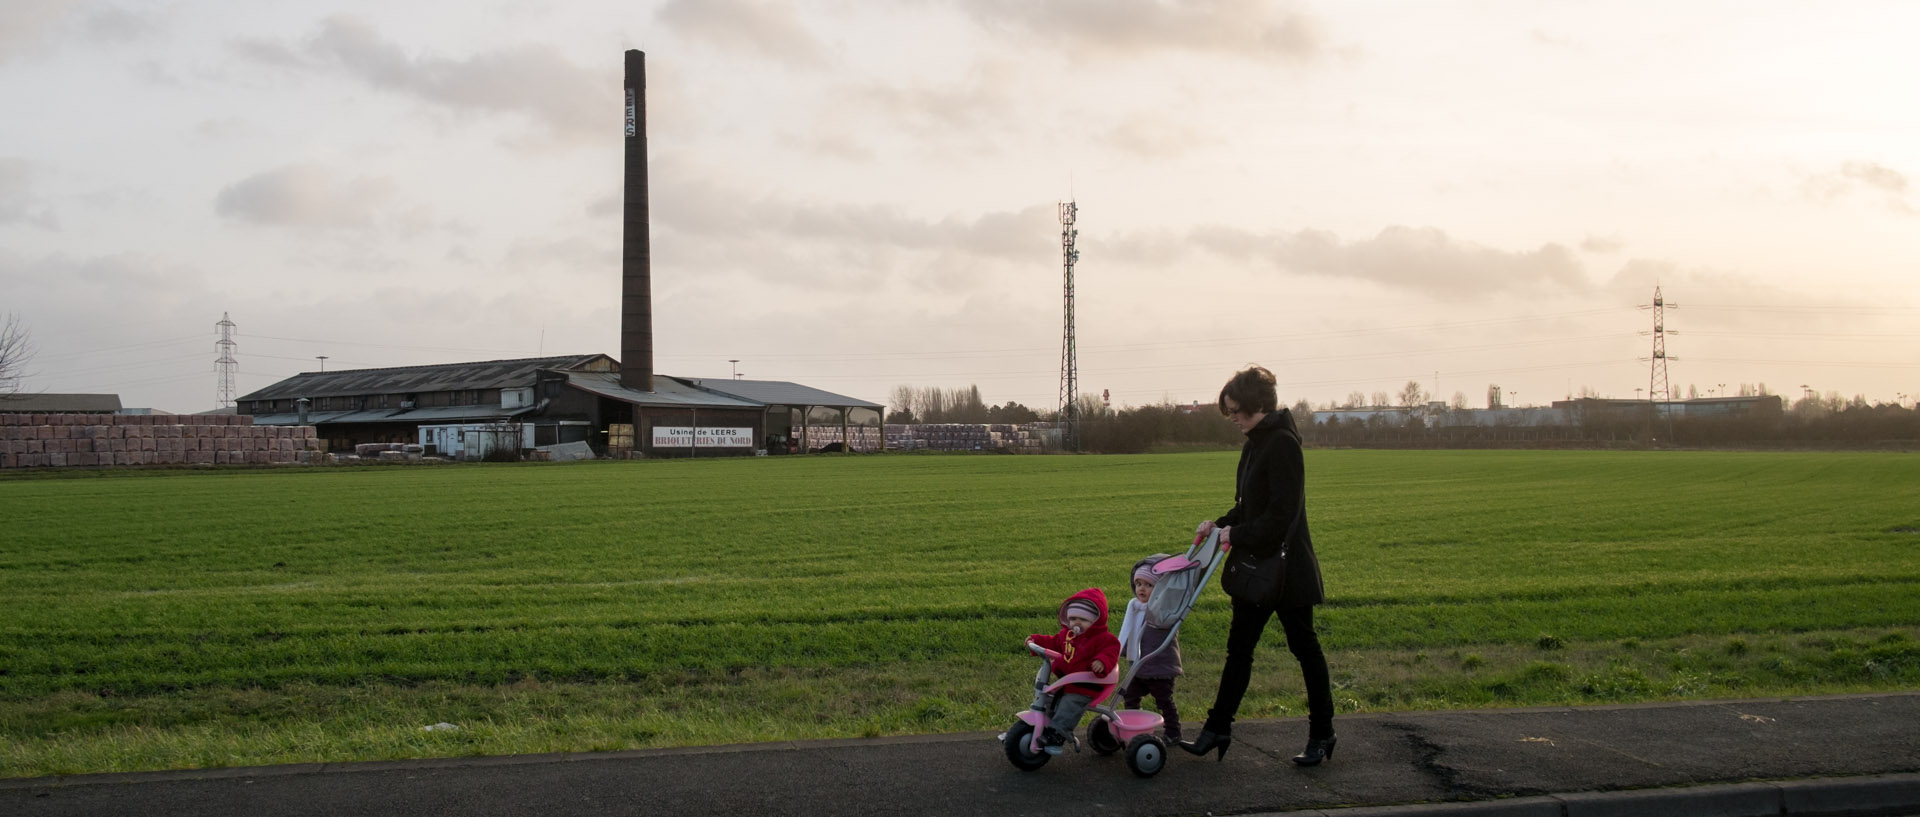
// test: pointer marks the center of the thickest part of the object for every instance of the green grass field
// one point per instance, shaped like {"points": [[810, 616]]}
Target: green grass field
{"points": [[192, 619]]}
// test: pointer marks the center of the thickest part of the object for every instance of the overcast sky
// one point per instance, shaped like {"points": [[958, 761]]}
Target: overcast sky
{"points": [[856, 195]]}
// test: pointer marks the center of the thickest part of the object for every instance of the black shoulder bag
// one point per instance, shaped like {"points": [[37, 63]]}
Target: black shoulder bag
{"points": [[1262, 579]]}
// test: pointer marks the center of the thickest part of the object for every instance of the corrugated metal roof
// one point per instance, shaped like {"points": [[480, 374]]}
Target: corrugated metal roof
{"points": [[489, 374], [781, 393], [60, 403], [667, 391], [437, 414]]}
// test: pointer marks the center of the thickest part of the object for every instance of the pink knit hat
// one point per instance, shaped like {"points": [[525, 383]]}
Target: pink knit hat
{"points": [[1081, 608], [1145, 573]]}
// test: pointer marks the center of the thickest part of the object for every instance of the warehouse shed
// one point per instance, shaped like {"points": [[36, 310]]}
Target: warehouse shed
{"points": [[542, 402], [794, 410]]}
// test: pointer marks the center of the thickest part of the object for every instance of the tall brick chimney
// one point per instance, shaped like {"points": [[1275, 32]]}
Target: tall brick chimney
{"points": [[636, 272]]}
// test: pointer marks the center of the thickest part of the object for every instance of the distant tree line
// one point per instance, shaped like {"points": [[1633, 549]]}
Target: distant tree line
{"points": [[1813, 421], [932, 404]]}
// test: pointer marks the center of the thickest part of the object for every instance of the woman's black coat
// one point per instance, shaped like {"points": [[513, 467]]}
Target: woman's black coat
{"points": [[1270, 494]]}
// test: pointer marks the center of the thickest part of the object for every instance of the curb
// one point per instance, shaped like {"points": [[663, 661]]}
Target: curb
{"points": [[1870, 796]]}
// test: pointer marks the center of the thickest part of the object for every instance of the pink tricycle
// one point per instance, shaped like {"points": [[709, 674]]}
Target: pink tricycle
{"points": [[1181, 579]]}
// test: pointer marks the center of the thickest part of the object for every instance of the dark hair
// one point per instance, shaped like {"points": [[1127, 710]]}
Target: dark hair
{"points": [[1252, 389]]}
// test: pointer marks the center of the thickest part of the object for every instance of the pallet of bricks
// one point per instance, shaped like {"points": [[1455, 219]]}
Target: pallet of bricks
{"points": [[1017, 439], [902, 437], [92, 440], [864, 438]]}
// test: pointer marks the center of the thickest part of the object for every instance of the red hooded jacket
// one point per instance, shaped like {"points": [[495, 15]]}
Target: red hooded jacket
{"points": [[1078, 652]]}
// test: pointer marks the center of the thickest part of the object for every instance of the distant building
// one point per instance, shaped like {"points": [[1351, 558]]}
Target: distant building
{"points": [[1764, 405], [551, 400]]}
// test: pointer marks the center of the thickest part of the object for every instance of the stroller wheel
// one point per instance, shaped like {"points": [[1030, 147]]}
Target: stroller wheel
{"points": [[1017, 743], [1100, 737], [1146, 755]]}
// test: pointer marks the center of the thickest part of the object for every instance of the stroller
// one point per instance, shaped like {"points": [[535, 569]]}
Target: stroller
{"points": [[1179, 580]]}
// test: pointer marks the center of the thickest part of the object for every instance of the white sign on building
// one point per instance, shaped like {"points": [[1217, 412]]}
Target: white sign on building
{"points": [[703, 437]]}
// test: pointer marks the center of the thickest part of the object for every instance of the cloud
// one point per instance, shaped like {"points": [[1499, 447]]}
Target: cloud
{"points": [[114, 25], [24, 26], [1255, 29], [756, 27], [720, 229], [1545, 38], [984, 95], [1867, 177], [1156, 138], [706, 208], [1423, 259], [831, 145], [305, 195], [1603, 244], [536, 81], [1874, 175], [18, 204]]}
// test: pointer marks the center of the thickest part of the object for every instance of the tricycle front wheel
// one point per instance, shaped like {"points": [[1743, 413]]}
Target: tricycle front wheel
{"points": [[1018, 741]]}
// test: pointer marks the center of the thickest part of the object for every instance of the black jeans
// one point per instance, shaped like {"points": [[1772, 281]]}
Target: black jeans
{"points": [[1243, 635], [1162, 691]]}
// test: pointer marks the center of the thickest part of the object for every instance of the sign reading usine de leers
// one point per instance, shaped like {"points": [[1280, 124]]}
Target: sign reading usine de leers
{"points": [[703, 437]]}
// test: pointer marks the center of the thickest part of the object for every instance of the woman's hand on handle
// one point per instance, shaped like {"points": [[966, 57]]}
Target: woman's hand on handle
{"points": [[1200, 533]]}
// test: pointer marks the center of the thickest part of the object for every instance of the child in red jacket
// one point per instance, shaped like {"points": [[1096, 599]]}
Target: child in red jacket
{"points": [[1084, 645]]}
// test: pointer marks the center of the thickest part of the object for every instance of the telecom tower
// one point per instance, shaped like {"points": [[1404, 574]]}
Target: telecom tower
{"points": [[1069, 372], [225, 364]]}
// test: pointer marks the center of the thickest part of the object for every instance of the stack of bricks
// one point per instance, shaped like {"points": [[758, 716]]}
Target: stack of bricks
{"points": [[82, 440]]}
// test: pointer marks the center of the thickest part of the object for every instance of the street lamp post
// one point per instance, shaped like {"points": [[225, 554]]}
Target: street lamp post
{"points": [[323, 362], [736, 367]]}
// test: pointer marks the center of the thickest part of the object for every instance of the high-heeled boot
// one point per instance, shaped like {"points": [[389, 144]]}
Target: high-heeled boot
{"points": [[1318, 749], [1216, 736]]}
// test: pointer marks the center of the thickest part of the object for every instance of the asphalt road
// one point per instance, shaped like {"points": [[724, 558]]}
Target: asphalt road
{"points": [[1584, 760]]}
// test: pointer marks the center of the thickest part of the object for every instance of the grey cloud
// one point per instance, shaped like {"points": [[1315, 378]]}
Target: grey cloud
{"points": [[18, 204], [773, 238], [1151, 138], [1554, 40], [270, 53], [536, 81], [1852, 176], [606, 206], [1603, 244], [1874, 175], [832, 145], [1423, 259], [115, 25], [1257, 29], [769, 29], [24, 26], [704, 209], [970, 115], [305, 195]]}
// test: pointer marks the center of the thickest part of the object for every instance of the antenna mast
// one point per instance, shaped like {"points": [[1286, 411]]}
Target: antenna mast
{"points": [[225, 365], [1069, 373]]}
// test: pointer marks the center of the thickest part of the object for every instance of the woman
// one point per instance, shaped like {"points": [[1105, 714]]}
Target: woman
{"points": [[1269, 517]]}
